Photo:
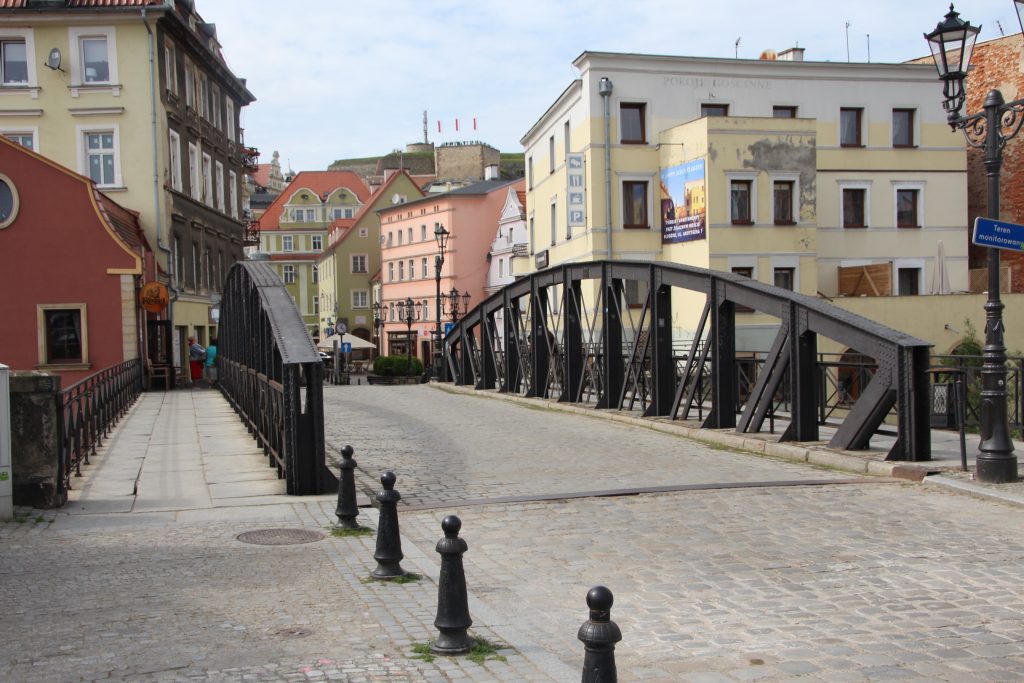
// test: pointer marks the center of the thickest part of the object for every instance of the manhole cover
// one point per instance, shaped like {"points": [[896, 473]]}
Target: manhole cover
{"points": [[280, 536], [291, 632]]}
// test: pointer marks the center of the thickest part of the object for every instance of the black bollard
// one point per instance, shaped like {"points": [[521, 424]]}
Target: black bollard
{"points": [[389, 543], [599, 634], [452, 603], [347, 510]]}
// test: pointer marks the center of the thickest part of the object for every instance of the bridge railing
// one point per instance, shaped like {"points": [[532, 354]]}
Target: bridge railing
{"points": [[90, 408], [270, 372], [603, 332]]}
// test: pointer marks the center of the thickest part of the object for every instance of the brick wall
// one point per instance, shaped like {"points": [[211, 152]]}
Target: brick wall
{"points": [[464, 161], [997, 64]]}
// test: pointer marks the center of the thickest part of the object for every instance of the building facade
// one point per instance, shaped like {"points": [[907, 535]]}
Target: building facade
{"points": [[135, 94], [739, 165], [294, 232]]}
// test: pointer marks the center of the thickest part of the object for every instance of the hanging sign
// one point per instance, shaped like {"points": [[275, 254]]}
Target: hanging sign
{"points": [[154, 297]]}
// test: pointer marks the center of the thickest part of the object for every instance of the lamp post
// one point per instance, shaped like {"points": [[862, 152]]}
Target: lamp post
{"points": [[441, 236], [378, 323], [456, 305], [951, 45], [407, 313]]}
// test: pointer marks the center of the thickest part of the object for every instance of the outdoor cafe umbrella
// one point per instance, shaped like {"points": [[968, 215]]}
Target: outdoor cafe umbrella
{"points": [[356, 342]]}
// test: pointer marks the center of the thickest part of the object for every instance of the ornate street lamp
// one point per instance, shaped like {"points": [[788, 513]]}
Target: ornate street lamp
{"points": [[441, 236], [408, 311], [952, 43], [378, 323], [456, 305]]}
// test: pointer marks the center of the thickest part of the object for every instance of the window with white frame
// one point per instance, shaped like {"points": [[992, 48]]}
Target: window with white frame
{"points": [[298, 216], [318, 242], [909, 207], [26, 139], [785, 194], [554, 220], [742, 198], [174, 158], [170, 69], [220, 187], [358, 263], [908, 276], [786, 272], [93, 55], [423, 267], [855, 204], [207, 179], [287, 243], [310, 215], [316, 274], [412, 269], [100, 159], [233, 193], [360, 298], [190, 84], [533, 237], [423, 233], [229, 118], [193, 172], [410, 234], [400, 234], [288, 272], [215, 108], [204, 96], [401, 270], [316, 305], [391, 272], [13, 61]]}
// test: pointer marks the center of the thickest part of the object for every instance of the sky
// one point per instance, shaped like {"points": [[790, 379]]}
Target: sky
{"points": [[337, 79]]}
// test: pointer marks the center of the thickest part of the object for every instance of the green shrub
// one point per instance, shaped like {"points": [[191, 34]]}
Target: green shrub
{"points": [[390, 366]]}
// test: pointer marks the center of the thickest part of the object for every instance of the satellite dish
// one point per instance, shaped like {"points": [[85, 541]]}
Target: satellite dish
{"points": [[53, 59]]}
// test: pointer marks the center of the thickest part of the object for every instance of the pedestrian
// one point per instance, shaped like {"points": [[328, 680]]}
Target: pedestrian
{"points": [[211, 362], [196, 355]]}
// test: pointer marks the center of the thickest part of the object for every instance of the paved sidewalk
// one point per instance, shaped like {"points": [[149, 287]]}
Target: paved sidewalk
{"points": [[754, 569]]}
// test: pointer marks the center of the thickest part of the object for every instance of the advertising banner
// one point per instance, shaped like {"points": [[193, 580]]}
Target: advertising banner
{"points": [[683, 202]]}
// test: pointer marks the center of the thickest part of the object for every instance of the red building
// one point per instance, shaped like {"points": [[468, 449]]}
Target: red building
{"points": [[71, 264]]}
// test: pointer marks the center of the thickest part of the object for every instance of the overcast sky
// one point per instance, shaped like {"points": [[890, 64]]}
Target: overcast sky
{"points": [[341, 78]]}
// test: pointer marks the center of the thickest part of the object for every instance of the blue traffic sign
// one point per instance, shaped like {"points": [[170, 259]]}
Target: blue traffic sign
{"points": [[998, 234], [346, 347], [448, 328]]}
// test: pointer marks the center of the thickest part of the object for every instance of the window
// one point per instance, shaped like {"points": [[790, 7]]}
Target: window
{"points": [[635, 292], [26, 140], [310, 215], [170, 70], [423, 233], [13, 62], [233, 193], [360, 298], [906, 208], [220, 187], [902, 127], [785, 112], [714, 110], [501, 267], [739, 202], [400, 236], [286, 243], [358, 263], [529, 173], [215, 106], [401, 270], [854, 200], [229, 118], [412, 269], [410, 234], [389, 239], [747, 272], [195, 266], [174, 159], [298, 216], [849, 127], [782, 197], [909, 281], [101, 157], [566, 134], [634, 204], [289, 275], [190, 84], [193, 171], [64, 331], [632, 120], [554, 221], [391, 272], [207, 179], [179, 263], [551, 154], [533, 239], [318, 242], [316, 301], [784, 278], [425, 308], [423, 267], [204, 96], [316, 274], [95, 63]]}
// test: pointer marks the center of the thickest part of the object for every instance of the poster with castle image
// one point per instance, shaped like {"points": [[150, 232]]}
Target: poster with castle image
{"points": [[683, 202]]}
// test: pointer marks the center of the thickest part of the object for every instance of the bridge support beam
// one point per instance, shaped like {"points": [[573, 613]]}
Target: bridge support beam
{"points": [[572, 342], [513, 334], [488, 378], [663, 366], [723, 355], [803, 379], [611, 339], [540, 359]]}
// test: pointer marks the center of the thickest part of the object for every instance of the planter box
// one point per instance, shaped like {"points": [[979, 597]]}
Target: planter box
{"points": [[393, 379]]}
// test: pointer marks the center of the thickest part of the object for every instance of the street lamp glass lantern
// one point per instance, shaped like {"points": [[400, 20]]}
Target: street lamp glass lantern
{"points": [[951, 44], [465, 303], [441, 235]]}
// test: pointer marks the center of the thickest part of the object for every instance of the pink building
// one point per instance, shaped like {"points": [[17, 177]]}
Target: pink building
{"points": [[409, 249]]}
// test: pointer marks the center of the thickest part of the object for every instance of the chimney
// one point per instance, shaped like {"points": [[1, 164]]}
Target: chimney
{"points": [[793, 54]]}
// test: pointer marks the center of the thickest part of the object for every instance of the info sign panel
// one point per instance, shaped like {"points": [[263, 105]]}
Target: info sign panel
{"points": [[576, 193], [998, 234], [683, 202]]}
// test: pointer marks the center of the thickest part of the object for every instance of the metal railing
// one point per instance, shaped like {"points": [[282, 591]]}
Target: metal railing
{"points": [[90, 408]]}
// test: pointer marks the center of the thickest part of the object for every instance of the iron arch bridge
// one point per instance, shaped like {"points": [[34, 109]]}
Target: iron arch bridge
{"points": [[270, 372], [601, 333]]}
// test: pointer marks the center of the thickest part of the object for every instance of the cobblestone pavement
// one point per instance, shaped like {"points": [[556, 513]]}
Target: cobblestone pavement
{"points": [[450, 447], [826, 582]]}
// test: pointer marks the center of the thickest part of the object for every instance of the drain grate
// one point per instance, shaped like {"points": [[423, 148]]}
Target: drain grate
{"points": [[291, 632], [280, 536]]}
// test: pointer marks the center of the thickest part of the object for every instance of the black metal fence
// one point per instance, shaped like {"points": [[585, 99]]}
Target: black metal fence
{"points": [[602, 333], [91, 408], [271, 373]]}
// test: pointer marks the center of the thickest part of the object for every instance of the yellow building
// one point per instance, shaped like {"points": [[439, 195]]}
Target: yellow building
{"points": [[137, 96], [813, 176]]}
